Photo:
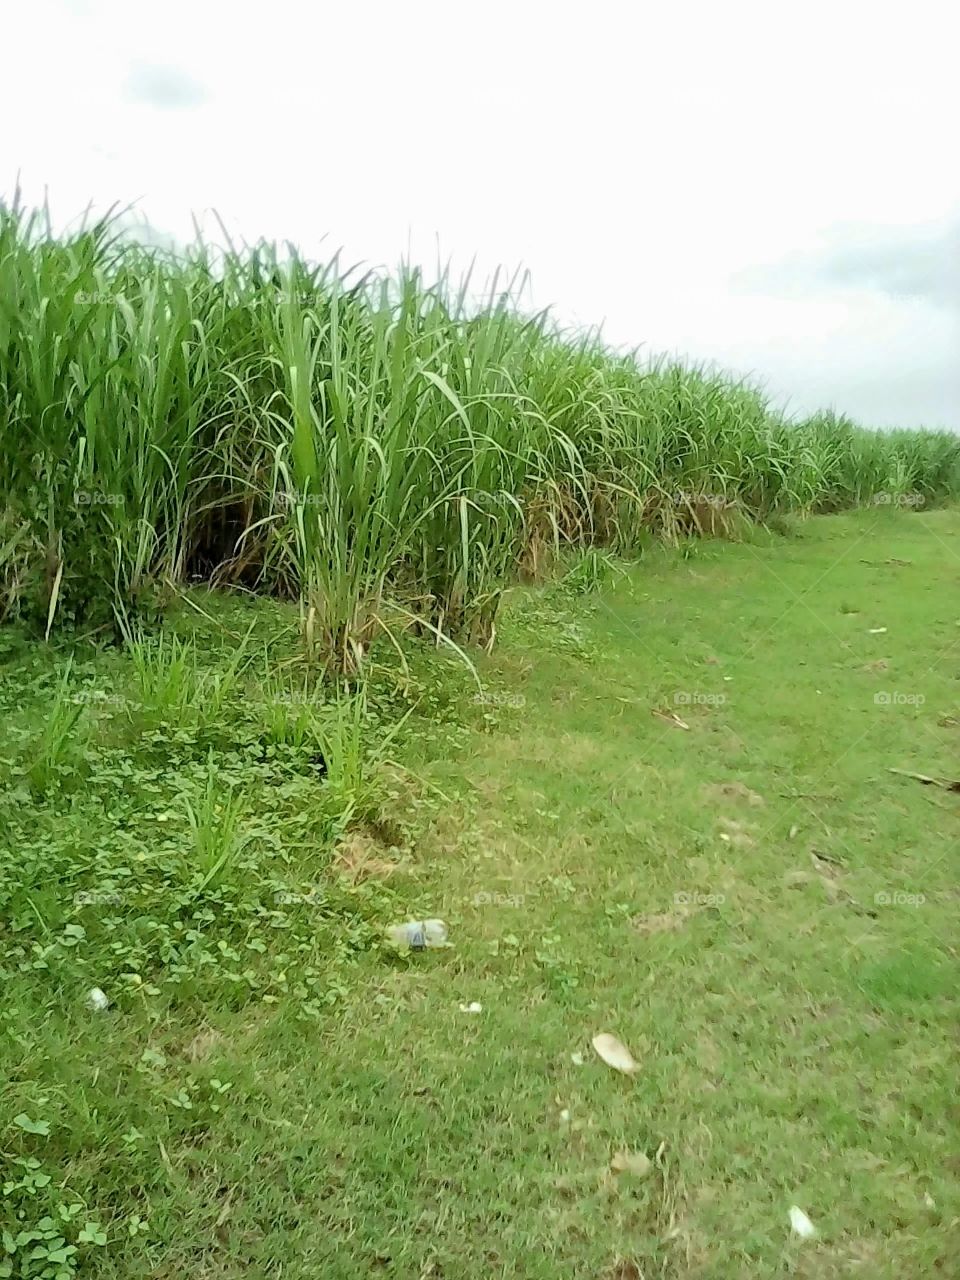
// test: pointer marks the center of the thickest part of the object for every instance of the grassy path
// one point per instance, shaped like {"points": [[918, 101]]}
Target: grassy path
{"points": [[672, 818]]}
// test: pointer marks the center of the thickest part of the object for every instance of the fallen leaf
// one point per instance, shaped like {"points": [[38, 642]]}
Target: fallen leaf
{"points": [[224, 1213], [948, 784], [826, 863], [831, 888], [669, 717], [614, 1053]]}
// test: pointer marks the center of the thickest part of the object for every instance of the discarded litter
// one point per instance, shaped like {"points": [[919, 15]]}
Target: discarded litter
{"points": [[418, 934], [615, 1054], [97, 999], [577, 1059], [800, 1224], [473, 1007]]}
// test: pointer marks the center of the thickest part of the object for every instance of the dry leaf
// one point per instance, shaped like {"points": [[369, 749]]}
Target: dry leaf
{"points": [[831, 889], [670, 717], [948, 784], [826, 863], [615, 1054]]}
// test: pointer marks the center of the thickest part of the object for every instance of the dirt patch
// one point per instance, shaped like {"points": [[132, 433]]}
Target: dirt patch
{"points": [[736, 833], [718, 791], [360, 856], [664, 922], [202, 1044]]}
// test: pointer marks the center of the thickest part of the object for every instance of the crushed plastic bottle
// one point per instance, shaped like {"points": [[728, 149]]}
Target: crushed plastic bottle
{"points": [[418, 934]]}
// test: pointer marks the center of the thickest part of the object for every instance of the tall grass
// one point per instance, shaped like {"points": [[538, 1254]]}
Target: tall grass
{"points": [[247, 418]]}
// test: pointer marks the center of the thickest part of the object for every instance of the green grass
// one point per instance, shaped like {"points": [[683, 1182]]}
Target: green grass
{"points": [[754, 904], [389, 451]]}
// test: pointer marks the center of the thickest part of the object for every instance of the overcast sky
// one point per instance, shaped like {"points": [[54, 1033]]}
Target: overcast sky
{"points": [[768, 185]]}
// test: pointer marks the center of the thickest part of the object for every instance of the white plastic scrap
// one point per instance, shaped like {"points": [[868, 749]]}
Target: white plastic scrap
{"points": [[97, 999], [473, 1007], [800, 1224]]}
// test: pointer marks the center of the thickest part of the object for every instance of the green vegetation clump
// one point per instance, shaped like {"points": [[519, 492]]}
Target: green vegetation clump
{"points": [[375, 448], [684, 807]]}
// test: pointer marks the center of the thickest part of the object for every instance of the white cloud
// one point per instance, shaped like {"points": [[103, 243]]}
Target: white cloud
{"points": [[638, 158], [163, 86]]}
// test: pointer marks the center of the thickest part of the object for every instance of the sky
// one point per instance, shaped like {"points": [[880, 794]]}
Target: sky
{"points": [[766, 186]]}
